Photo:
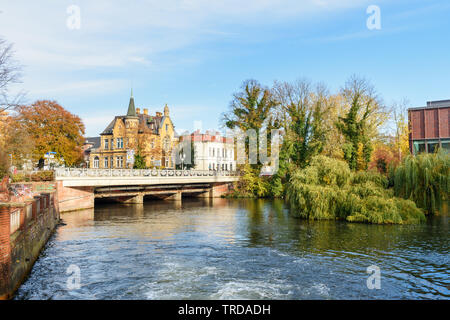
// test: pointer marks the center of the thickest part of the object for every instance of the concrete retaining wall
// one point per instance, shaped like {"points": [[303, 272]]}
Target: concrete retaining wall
{"points": [[74, 198]]}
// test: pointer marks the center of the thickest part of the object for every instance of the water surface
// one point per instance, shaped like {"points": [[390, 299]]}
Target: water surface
{"points": [[236, 249]]}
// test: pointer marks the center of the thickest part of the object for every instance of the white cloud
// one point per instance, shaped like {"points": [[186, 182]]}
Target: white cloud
{"points": [[80, 87], [124, 34]]}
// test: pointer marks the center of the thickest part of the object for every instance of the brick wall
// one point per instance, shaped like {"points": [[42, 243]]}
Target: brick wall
{"points": [[430, 123], [444, 121], [19, 250], [5, 249], [220, 189]]}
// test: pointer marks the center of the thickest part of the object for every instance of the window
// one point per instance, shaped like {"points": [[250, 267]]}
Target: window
{"points": [[231, 167], [226, 153], [218, 167], [419, 147], [432, 146], [167, 127], [119, 161], [111, 160], [214, 150], [106, 161], [445, 146], [209, 166], [119, 143], [226, 167], [106, 144], [166, 144], [96, 162], [167, 163]]}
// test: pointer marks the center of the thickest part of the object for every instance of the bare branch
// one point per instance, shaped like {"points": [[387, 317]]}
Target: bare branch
{"points": [[10, 73]]}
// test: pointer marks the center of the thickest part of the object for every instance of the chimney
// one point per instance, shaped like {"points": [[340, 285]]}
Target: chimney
{"points": [[138, 110], [145, 111]]}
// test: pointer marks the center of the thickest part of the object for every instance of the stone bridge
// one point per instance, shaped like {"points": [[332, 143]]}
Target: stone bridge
{"points": [[78, 188]]}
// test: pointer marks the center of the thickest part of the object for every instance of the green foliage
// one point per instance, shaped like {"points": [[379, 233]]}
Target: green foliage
{"points": [[357, 146], [331, 171], [139, 162], [356, 126], [425, 179], [251, 185], [370, 176], [305, 136], [327, 189], [251, 110]]}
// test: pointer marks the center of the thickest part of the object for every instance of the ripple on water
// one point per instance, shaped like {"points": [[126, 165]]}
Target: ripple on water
{"points": [[252, 289]]}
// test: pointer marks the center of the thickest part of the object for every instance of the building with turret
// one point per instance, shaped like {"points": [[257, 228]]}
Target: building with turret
{"points": [[136, 133]]}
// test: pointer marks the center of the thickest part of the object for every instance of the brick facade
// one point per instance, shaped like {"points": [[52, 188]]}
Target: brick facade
{"points": [[429, 127]]}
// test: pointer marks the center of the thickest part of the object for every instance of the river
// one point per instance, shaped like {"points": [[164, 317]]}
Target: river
{"points": [[235, 249]]}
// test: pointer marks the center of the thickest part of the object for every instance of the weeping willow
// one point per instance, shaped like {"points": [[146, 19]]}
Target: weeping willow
{"points": [[425, 179], [327, 189]]}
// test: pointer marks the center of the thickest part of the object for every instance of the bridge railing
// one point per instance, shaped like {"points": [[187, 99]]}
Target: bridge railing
{"points": [[75, 172]]}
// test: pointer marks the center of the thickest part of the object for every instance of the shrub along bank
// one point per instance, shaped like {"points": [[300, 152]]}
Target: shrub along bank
{"points": [[327, 189]]}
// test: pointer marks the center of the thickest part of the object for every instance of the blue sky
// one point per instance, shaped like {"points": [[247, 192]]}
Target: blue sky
{"points": [[194, 54]]}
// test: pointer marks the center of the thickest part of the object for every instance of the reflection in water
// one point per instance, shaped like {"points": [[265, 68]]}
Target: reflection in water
{"points": [[236, 249]]}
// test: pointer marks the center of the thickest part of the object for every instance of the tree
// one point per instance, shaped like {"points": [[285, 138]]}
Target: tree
{"points": [[139, 162], [251, 109], [334, 138], [52, 128], [360, 125], [10, 73], [424, 179], [140, 158], [302, 111], [17, 143], [401, 143]]}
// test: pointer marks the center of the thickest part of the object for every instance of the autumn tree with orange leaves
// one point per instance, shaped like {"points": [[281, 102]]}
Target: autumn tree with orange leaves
{"points": [[52, 128]]}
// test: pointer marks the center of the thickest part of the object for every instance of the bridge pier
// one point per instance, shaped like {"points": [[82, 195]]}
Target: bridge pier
{"points": [[137, 199], [174, 197], [216, 191]]}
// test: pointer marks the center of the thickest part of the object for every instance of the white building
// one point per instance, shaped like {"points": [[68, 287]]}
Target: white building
{"points": [[211, 151]]}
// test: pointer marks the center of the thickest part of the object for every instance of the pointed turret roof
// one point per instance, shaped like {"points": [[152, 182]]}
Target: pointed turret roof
{"points": [[131, 109]]}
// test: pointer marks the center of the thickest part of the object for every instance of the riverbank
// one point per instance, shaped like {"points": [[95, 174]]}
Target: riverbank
{"points": [[26, 223]]}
